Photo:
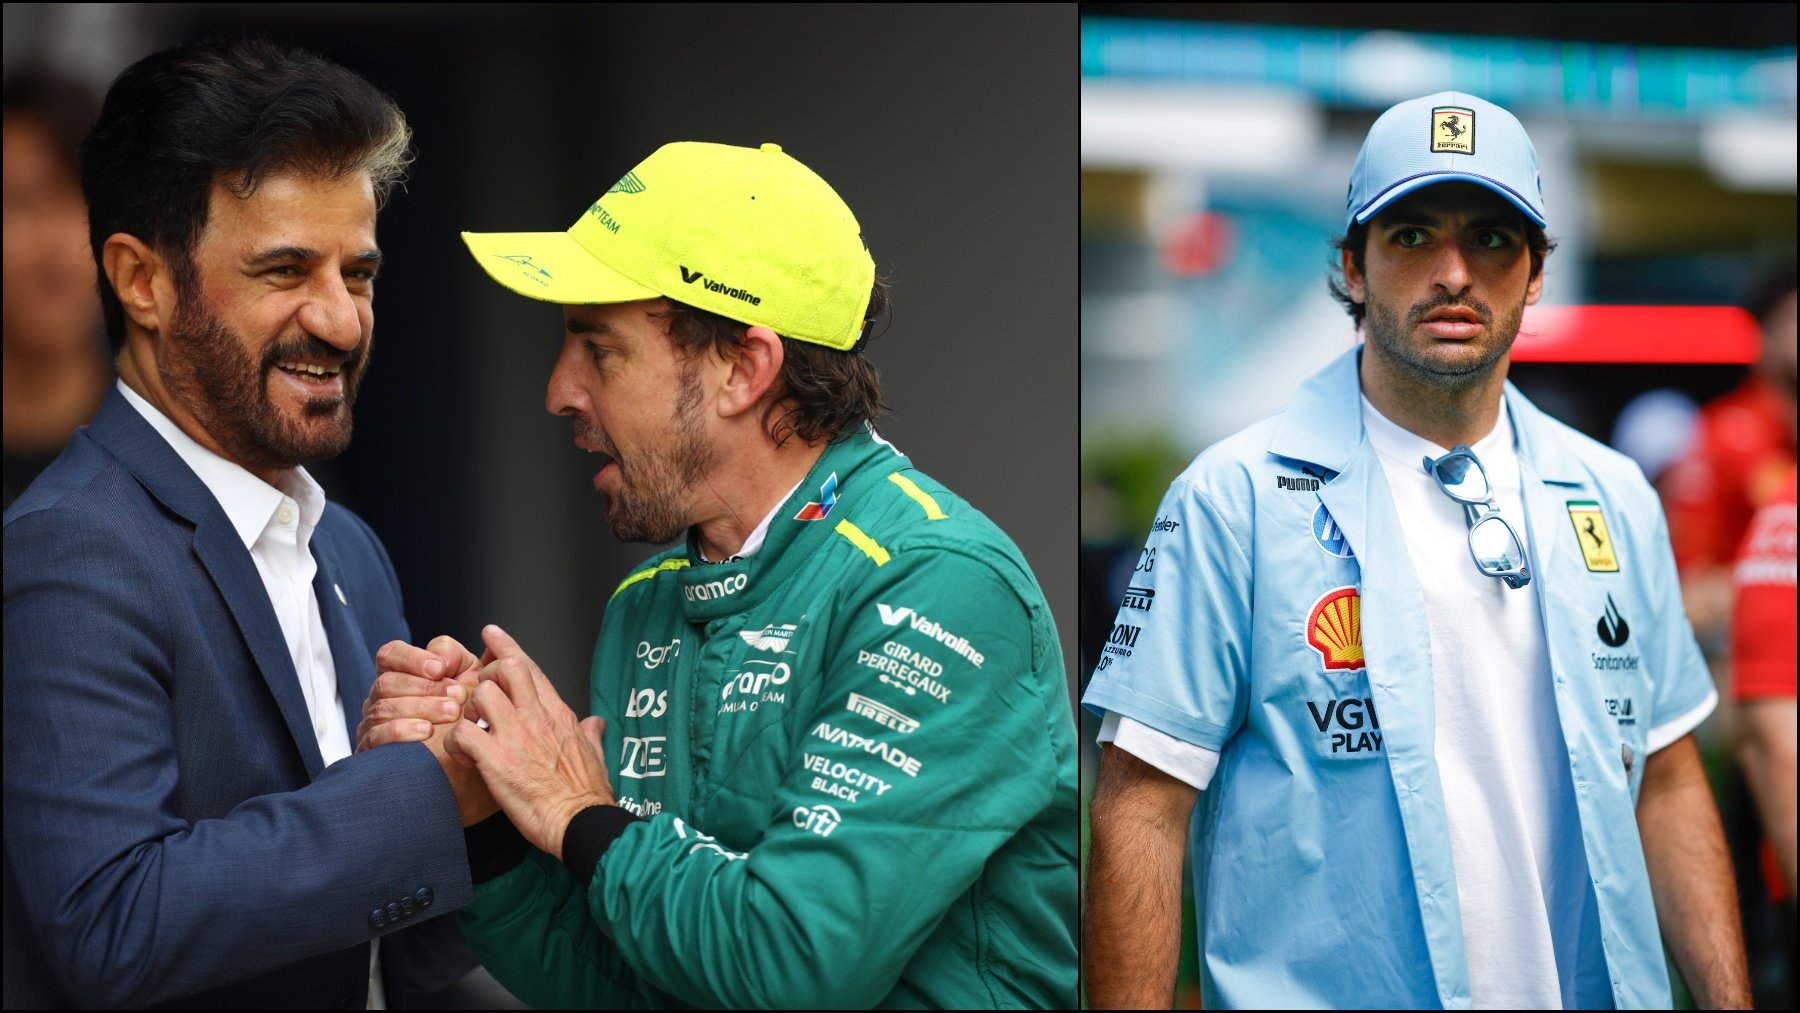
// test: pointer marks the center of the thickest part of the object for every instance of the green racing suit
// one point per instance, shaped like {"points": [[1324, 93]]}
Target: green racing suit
{"points": [[849, 765]]}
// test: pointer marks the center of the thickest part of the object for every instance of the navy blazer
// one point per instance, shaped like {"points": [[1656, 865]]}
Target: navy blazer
{"points": [[171, 833]]}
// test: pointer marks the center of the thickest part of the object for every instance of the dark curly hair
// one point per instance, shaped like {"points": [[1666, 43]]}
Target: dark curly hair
{"points": [[823, 391], [227, 112]]}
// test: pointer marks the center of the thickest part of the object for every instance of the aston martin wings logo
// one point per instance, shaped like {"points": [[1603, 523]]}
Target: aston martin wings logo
{"points": [[773, 639]]}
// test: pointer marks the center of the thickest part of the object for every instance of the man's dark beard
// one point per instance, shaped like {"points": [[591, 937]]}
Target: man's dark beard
{"points": [[209, 371], [1387, 331], [649, 506]]}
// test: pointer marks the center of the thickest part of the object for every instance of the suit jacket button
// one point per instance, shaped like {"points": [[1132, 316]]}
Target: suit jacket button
{"points": [[406, 905], [393, 912], [378, 918], [422, 896]]}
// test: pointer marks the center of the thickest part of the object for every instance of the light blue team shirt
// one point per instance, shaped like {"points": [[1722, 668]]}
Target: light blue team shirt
{"points": [[1321, 858]]}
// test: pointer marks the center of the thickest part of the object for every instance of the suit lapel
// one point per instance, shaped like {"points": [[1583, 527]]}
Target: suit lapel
{"points": [[225, 558], [127, 436], [350, 655]]}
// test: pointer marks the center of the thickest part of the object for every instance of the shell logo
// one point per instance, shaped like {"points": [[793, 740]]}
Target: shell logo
{"points": [[1334, 629]]}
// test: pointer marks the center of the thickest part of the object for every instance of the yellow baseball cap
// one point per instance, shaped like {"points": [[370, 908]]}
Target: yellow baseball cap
{"points": [[747, 233]]}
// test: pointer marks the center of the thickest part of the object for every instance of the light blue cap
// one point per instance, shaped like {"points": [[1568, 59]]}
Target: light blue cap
{"points": [[1447, 137]]}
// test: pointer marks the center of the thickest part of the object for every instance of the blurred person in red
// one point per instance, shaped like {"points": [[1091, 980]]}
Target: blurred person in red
{"points": [[1743, 447], [56, 369], [1763, 661], [1763, 664]]}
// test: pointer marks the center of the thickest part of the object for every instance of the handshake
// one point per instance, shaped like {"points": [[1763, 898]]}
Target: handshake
{"points": [[532, 759]]}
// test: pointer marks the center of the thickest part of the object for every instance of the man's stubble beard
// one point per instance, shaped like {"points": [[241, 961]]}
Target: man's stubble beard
{"points": [[650, 505], [228, 392], [1386, 332]]}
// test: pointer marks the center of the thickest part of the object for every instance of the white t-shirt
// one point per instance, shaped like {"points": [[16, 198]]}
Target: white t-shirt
{"points": [[1509, 803], [1515, 833]]}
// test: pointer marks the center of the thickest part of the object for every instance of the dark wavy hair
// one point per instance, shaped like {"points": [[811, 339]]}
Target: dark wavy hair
{"points": [[227, 112], [823, 391], [1356, 240]]}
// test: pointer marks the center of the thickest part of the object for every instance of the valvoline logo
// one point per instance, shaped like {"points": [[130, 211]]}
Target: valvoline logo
{"points": [[827, 499]]}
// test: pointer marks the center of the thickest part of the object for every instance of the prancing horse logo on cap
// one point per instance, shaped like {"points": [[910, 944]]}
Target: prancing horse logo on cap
{"points": [[1452, 130]]}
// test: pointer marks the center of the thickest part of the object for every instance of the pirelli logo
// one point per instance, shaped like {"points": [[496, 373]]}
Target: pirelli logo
{"points": [[879, 713]]}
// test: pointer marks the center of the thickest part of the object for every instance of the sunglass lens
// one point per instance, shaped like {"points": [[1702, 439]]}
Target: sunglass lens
{"points": [[1463, 478], [1496, 547]]}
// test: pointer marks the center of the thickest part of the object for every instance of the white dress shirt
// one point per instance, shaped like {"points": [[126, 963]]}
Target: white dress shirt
{"points": [[276, 524]]}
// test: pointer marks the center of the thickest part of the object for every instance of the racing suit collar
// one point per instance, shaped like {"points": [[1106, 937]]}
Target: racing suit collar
{"points": [[839, 481], [1323, 425]]}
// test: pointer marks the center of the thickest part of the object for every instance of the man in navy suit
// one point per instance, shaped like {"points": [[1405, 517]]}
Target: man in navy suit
{"points": [[190, 627]]}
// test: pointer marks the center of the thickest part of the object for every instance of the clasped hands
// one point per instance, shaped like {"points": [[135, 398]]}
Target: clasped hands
{"points": [[533, 760]]}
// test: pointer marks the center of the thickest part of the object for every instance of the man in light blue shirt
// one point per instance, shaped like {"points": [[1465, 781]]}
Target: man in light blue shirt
{"points": [[1418, 651]]}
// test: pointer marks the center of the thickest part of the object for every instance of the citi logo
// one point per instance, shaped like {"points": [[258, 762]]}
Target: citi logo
{"points": [[689, 277], [1612, 627], [716, 588]]}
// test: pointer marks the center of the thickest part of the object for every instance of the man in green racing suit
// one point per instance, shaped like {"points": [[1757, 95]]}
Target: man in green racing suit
{"points": [[844, 755]]}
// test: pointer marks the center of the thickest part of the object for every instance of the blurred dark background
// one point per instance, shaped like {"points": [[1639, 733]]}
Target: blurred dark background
{"points": [[950, 132]]}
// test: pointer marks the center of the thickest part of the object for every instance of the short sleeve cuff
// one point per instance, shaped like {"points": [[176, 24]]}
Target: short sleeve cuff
{"points": [[1669, 731], [1184, 761]]}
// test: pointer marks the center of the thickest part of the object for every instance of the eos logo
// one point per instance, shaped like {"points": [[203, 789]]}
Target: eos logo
{"points": [[647, 703], [716, 588], [654, 656]]}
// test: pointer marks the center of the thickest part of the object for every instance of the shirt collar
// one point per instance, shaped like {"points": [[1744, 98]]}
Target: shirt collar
{"points": [[1323, 425], [248, 501], [755, 541], [1396, 443]]}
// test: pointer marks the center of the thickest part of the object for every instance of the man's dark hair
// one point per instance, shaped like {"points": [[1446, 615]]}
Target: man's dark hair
{"points": [[1356, 240], [823, 391], [232, 113], [62, 106]]}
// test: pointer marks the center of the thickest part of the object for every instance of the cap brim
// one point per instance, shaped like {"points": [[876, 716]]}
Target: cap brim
{"points": [[552, 267], [1434, 178]]}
